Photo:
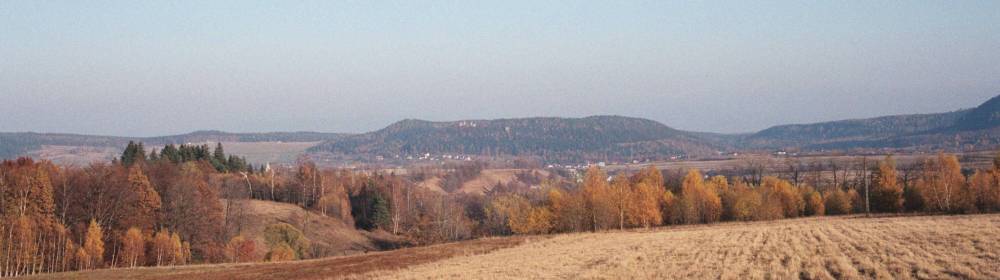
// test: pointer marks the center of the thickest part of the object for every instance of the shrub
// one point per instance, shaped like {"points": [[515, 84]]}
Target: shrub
{"points": [[780, 192], [281, 252], [282, 234], [814, 204], [837, 202]]}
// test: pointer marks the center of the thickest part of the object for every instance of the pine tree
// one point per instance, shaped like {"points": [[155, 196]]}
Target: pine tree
{"points": [[219, 158], [153, 156], [134, 152]]}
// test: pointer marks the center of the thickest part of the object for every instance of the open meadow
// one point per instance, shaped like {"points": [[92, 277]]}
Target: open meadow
{"points": [[924, 247]]}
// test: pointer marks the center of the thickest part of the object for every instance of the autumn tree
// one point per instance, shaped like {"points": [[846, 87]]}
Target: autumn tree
{"points": [[813, 203], [985, 188], [133, 247], [942, 184], [781, 193], [193, 209], [163, 248], [240, 249], [622, 198], [597, 199], [645, 206], [887, 193], [698, 203], [179, 253], [668, 207], [649, 175], [93, 244], [837, 202], [569, 212], [143, 201], [83, 259], [741, 202]]}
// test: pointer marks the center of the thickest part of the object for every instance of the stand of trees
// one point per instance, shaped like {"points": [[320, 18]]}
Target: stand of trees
{"points": [[643, 200]]}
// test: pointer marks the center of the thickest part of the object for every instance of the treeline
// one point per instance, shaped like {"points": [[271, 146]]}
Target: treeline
{"points": [[136, 152], [643, 200]]}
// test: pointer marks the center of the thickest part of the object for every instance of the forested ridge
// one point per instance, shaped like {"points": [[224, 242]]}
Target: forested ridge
{"points": [[592, 139], [598, 138]]}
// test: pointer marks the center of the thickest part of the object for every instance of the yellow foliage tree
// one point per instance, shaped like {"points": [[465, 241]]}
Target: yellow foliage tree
{"points": [[82, 259], [887, 193], [163, 248], [94, 244], [837, 202], [178, 255], [814, 204], [133, 247], [781, 193], [745, 203], [597, 199], [668, 207], [942, 184], [698, 203], [621, 197], [644, 206]]}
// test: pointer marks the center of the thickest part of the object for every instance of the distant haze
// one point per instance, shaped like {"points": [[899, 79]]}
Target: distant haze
{"points": [[143, 68]]}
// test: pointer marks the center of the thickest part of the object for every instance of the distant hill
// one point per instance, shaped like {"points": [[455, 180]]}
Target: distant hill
{"points": [[826, 133], [985, 116], [22, 143], [976, 128], [566, 140], [598, 138]]}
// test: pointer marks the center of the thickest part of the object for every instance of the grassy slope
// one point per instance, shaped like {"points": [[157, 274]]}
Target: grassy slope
{"points": [[328, 235]]}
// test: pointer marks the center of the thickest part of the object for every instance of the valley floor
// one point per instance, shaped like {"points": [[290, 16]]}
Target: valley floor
{"points": [[926, 247]]}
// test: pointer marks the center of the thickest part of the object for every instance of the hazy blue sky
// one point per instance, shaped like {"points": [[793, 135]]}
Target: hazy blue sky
{"points": [[143, 68]]}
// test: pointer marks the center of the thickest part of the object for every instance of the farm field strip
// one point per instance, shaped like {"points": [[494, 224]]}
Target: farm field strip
{"points": [[935, 247]]}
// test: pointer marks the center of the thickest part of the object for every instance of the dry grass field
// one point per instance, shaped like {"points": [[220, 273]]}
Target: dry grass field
{"points": [[936, 247], [928, 247]]}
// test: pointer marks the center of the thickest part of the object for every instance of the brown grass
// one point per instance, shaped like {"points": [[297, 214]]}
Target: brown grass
{"points": [[937, 247], [337, 267]]}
